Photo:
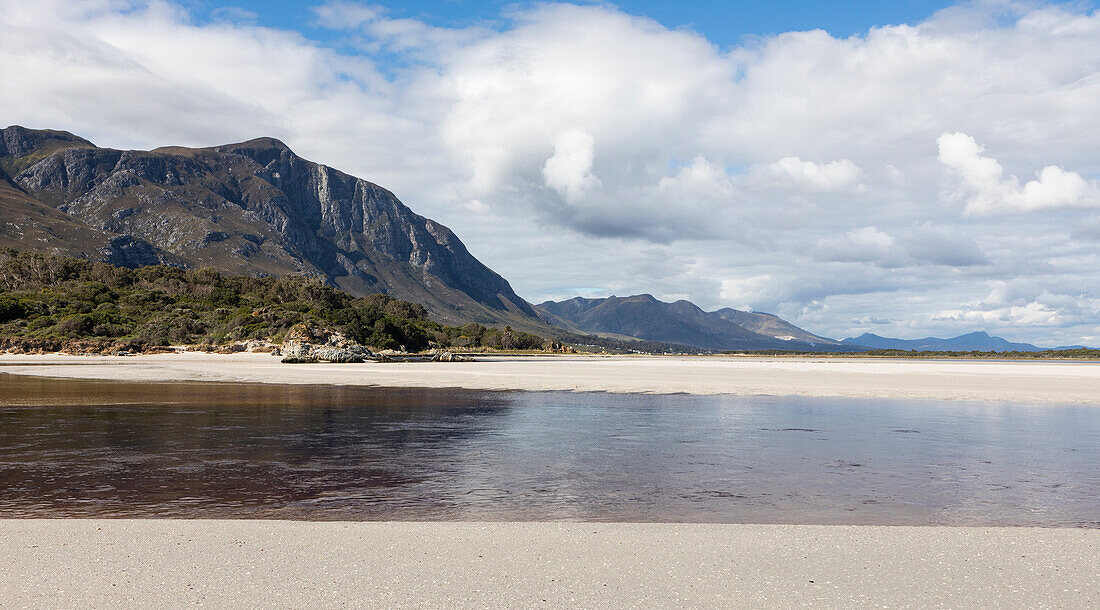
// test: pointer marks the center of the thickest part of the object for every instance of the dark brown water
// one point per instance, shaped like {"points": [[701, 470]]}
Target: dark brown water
{"points": [[108, 449]]}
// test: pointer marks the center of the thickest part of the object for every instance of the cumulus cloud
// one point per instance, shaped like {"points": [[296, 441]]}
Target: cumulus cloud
{"points": [[1031, 314], [924, 244], [1010, 306], [795, 174], [667, 163], [569, 170], [990, 191], [867, 244]]}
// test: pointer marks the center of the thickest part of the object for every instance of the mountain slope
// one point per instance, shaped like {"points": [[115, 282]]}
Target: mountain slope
{"points": [[644, 317], [771, 325], [251, 208], [977, 341]]}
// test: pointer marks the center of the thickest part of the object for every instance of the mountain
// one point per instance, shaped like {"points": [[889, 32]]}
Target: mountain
{"points": [[644, 317], [772, 325], [977, 341], [253, 208]]}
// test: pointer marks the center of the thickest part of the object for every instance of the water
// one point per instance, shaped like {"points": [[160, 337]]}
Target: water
{"points": [[108, 449]]}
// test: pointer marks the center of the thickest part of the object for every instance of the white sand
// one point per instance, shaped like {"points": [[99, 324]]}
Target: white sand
{"points": [[1025, 381], [279, 564]]}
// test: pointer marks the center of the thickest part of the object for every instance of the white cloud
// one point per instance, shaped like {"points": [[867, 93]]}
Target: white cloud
{"points": [[867, 244], [989, 191], [477, 207], [234, 13], [795, 174], [1031, 314], [667, 164], [923, 244], [347, 15], [569, 170]]}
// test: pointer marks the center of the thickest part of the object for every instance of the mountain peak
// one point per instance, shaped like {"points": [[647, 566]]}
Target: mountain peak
{"points": [[263, 150], [19, 141], [261, 143]]}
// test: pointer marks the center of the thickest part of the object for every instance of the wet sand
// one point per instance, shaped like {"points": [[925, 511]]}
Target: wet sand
{"points": [[164, 563], [1020, 381]]}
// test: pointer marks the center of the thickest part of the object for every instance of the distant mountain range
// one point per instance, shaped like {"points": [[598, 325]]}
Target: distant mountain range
{"points": [[251, 208], [977, 341], [644, 317]]}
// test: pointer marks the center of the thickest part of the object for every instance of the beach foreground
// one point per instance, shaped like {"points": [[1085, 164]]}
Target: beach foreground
{"points": [[169, 563], [1020, 381]]}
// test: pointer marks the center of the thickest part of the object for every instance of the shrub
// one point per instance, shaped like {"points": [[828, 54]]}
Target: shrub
{"points": [[48, 300]]}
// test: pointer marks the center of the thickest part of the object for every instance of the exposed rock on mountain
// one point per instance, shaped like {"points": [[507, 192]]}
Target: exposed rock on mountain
{"points": [[644, 317], [253, 208], [771, 325]]}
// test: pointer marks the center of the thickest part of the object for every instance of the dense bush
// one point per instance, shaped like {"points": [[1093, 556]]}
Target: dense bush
{"points": [[46, 300]]}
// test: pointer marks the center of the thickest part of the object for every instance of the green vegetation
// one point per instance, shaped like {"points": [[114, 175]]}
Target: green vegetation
{"points": [[52, 303]]}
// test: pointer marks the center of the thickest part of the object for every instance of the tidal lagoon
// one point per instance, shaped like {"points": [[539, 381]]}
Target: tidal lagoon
{"points": [[85, 448]]}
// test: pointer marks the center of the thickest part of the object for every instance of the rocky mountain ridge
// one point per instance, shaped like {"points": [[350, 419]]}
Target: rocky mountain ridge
{"points": [[682, 322]]}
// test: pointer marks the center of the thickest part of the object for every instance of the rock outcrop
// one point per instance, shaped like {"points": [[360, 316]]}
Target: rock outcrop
{"points": [[450, 357], [304, 344]]}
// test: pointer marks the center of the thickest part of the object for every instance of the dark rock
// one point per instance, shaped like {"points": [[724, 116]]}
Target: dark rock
{"points": [[128, 251]]}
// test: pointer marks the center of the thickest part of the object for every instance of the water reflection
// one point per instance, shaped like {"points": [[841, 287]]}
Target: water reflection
{"points": [[90, 448]]}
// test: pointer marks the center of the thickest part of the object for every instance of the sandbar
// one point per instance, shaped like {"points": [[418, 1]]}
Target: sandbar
{"points": [[982, 380], [284, 564]]}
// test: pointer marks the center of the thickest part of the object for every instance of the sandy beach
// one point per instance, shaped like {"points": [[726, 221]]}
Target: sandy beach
{"points": [[175, 563], [165, 563], [1021, 381]]}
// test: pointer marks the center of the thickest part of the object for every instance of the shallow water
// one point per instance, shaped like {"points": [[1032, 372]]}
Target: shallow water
{"points": [[71, 448]]}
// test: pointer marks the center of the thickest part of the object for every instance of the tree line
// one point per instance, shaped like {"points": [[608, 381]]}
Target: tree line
{"points": [[51, 302]]}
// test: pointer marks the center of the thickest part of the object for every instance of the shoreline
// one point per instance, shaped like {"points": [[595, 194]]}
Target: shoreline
{"points": [[1029, 381], [172, 563]]}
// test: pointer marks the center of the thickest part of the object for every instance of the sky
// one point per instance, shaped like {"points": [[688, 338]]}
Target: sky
{"points": [[907, 168], [723, 23]]}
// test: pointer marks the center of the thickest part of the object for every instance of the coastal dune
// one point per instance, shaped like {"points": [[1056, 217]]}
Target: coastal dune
{"points": [[166, 563], [987, 380]]}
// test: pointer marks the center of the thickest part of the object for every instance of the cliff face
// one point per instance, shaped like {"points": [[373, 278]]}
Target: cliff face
{"points": [[254, 208]]}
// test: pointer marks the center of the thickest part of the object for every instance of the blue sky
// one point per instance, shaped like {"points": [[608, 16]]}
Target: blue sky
{"points": [[723, 23]]}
